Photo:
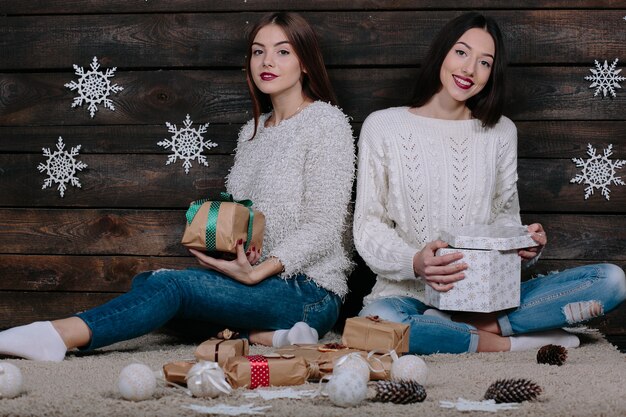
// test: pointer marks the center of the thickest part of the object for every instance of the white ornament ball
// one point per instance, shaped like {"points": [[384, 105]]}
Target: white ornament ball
{"points": [[346, 389], [10, 380], [409, 368], [353, 362], [136, 382], [207, 380]]}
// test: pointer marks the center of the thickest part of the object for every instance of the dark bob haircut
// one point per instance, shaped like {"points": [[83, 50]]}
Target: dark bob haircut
{"points": [[301, 36], [487, 104]]}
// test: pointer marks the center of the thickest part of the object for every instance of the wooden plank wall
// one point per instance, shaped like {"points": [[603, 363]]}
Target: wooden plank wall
{"points": [[173, 58]]}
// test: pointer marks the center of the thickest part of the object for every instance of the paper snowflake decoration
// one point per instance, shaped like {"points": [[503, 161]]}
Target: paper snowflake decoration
{"points": [[187, 144], [598, 171], [61, 167], [229, 410], [94, 87], [605, 78]]}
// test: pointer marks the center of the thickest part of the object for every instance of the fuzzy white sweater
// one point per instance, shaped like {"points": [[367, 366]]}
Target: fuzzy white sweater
{"points": [[418, 176], [300, 175]]}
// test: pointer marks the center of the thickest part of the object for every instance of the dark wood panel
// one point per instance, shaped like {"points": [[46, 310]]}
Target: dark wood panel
{"points": [[536, 139], [19, 7], [80, 273], [581, 236], [347, 38], [145, 181], [85, 232], [135, 139], [114, 273], [221, 96], [114, 181], [17, 308], [569, 139], [547, 266], [158, 232], [148, 98], [544, 185]]}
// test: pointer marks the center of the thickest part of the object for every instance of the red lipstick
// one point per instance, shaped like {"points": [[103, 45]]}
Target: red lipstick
{"points": [[268, 76], [463, 82]]}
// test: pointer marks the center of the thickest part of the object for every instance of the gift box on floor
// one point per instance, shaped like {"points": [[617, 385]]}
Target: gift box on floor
{"points": [[216, 226], [266, 370], [323, 357], [371, 333], [492, 280], [219, 350], [176, 372]]}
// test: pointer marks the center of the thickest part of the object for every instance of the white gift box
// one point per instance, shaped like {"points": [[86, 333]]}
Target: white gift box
{"points": [[492, 280]]}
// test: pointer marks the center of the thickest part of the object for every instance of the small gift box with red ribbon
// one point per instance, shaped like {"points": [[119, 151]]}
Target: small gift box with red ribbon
{"points": [[216, 226], [266, 370], [372, 333], [219, 350]]}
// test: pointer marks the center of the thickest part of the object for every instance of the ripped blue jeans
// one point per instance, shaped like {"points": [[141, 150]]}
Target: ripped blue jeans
{"points": [[552, 301], [220, 302]]}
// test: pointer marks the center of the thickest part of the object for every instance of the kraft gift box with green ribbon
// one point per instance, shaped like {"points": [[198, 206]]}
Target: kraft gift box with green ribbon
{"points": [[216, 226]]}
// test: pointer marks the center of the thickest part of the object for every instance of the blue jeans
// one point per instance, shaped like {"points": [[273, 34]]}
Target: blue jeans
{"points": [[552, 301], [200, 294]]}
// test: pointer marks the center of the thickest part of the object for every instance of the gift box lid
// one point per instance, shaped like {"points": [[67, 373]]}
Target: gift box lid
{"points": [[488, 236]]}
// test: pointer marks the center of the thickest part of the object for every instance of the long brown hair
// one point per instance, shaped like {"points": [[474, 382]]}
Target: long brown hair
{"points": [[486, 105], [301, 36]]}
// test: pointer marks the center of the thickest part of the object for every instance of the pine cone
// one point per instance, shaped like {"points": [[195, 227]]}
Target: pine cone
{"points": [[552, 355], [512, 391], [397, 392]]}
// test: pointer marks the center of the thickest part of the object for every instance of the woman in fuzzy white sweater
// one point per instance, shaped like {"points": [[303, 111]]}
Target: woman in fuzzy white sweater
{"points": [[295, 160], [448, 160]]}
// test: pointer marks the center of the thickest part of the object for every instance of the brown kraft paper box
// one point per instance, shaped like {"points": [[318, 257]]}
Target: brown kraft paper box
{"points": [[265, 370], [232, 225], [176, 372], [219, 350], [372, 333], [321, 360]]}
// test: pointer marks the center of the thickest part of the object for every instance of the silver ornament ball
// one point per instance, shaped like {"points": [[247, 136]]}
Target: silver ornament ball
{"points": [[136, 382], [409, 368], [346, 389], [10, 380], [207, 380], [353, 362]]}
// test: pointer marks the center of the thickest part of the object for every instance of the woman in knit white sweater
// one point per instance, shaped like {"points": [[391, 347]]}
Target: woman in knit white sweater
{"points": [[447, 160], [296, 163]]}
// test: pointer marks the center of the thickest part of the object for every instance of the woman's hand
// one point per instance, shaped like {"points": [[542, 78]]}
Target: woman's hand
{"points": [[438, 271], [539, 236], [239, 269]]}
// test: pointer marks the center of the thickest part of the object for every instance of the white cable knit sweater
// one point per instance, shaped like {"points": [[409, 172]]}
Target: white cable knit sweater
{"points": [[300, 175], [419, 175]]}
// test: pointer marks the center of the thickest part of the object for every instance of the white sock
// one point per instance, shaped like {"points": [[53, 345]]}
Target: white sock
{"points": [[437, 313], [37, 341], [300, 333], [536, 340]]}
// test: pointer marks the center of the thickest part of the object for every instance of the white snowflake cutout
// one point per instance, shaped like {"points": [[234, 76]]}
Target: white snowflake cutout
{"points": [[94, 87], [598, 171], [605, 78], [229, 410], [61, 167], [187, 144]]}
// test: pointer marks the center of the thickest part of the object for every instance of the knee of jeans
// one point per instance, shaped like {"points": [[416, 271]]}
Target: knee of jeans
{"points": [[615, 281], [159, 276], [386, 309], [140, 279], [613, 286]]}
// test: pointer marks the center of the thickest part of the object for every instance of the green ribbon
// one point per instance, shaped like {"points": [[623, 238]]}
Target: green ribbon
{"points": [[211, 224]]}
